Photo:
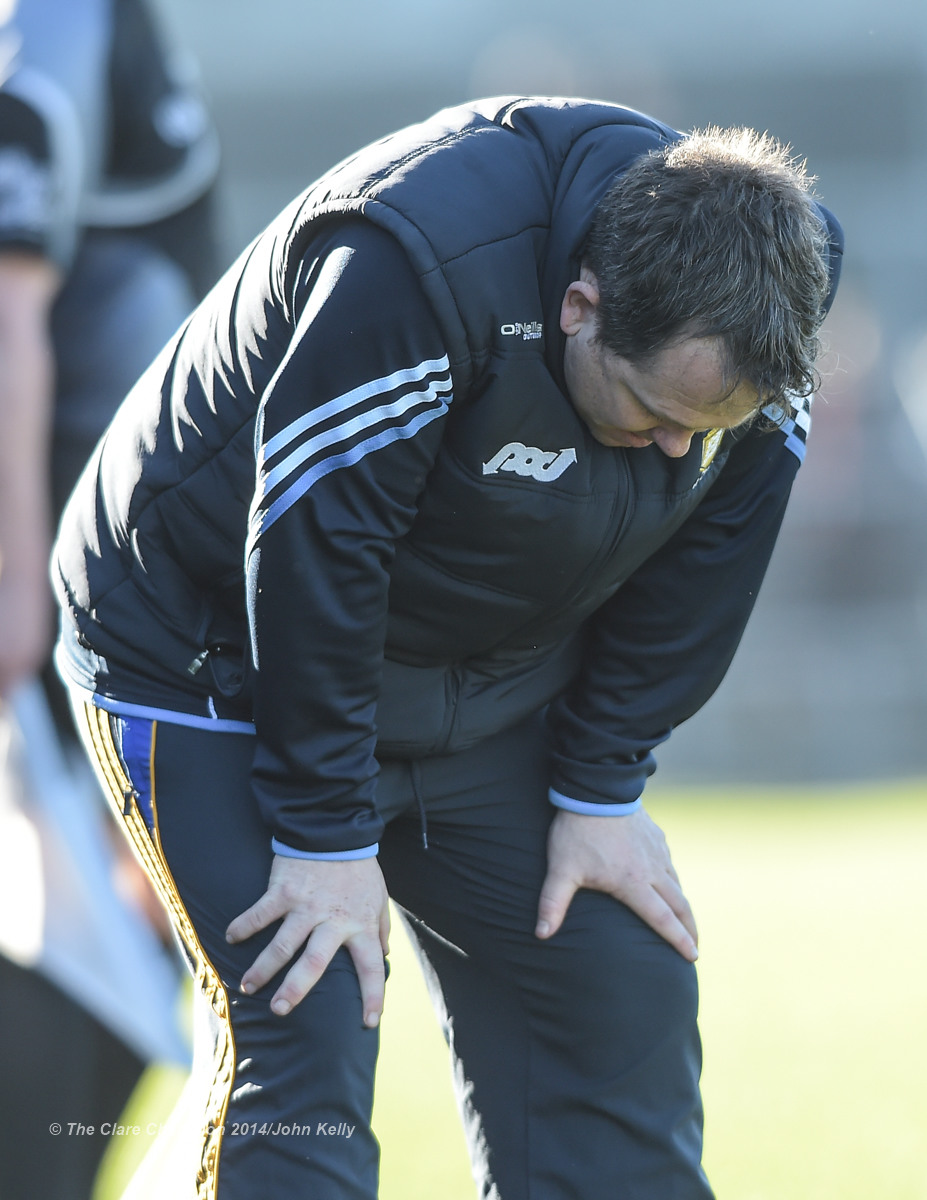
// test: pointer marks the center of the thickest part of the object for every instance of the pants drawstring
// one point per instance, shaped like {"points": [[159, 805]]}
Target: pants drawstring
{"points": [[416, 776]]}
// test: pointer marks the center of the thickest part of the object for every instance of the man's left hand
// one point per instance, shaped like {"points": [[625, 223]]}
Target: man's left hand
{"points": [[626, 857]]}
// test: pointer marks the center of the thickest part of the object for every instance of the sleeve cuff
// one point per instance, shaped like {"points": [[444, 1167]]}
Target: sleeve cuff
{"points": [[589, 808], [285, 851]]}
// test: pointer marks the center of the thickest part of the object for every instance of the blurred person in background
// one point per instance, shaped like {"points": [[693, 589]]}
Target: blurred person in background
{"points": [[442, 510], [108, 160]]}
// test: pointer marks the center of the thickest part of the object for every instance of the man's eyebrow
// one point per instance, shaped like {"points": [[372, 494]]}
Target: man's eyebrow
{"points": [[639, 400], [667, 423]]}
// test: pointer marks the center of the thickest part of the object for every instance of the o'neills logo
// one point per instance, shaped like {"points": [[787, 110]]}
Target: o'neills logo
{"points": [[528, 331]]}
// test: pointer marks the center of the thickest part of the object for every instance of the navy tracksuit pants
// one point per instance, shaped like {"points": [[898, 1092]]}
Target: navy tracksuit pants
{"points": [[578, 1057]]}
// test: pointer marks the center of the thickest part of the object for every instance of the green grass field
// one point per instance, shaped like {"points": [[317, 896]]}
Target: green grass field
{"points": [[812, 908]]}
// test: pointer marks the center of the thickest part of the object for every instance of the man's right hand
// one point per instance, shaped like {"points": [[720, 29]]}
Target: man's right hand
{"points": [[323, 905]]}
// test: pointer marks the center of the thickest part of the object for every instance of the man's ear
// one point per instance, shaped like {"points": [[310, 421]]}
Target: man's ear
{"points": [[579, 303]]}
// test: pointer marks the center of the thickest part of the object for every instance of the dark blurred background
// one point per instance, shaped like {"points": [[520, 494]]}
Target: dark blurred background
{"points": [[831, 679]]}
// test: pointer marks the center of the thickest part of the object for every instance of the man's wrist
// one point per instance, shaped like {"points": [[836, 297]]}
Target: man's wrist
{"points": [[286, 851], [592, 808]]}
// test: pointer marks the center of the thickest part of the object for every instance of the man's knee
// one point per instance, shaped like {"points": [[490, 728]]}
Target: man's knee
{"points": [[621, 990]]}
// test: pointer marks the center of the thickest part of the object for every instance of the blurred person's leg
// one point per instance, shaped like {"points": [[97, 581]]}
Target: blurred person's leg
{"points": [[121, 302], [60, 1067]]}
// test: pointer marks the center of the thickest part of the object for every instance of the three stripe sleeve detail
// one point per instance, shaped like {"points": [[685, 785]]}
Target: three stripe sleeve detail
{"points": [[342, 432]]}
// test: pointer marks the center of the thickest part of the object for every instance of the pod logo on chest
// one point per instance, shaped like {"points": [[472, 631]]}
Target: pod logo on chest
{"points": [[545, 465]]}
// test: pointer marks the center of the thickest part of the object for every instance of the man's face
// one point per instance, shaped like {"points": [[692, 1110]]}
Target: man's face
{"points": [[680, 392]]}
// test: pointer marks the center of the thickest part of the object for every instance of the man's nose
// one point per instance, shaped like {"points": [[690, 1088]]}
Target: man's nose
{"points": [[674, 443]]}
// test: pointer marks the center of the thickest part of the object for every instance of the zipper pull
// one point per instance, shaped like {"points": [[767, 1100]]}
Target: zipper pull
{"points": [[197, 662]]}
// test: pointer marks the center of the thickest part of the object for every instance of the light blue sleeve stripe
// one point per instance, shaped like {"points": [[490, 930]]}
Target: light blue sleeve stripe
{"points": [[341, 433], [375, 387], [325, 856], [264, 520], [797, 446], [589, 808]]}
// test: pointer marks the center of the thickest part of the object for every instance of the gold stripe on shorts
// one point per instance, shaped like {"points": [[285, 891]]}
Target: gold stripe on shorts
{"points": [[96, 730]]}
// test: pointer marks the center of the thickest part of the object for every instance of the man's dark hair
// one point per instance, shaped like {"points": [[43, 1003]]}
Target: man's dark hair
{"points": [[714, 236]]}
